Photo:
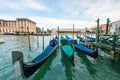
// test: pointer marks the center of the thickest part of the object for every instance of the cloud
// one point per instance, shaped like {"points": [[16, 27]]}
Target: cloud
{"points": [[23, 5], [91, 9], [34, 5], [64, 13], [104, 9], [63, 23], [7, 4], [54, 22], [5, 17]]}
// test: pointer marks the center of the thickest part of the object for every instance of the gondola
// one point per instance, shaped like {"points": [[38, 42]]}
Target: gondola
{"points": [[28, 68], [67, 49], [90, 39], [87, 39], [81, 39], [82, 48]]}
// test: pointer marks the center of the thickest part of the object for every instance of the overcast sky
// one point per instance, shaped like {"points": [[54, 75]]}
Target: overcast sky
{"points": [[63, 13]]}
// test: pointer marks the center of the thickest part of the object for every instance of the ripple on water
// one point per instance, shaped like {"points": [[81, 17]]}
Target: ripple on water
{"points": [[86, 68]]}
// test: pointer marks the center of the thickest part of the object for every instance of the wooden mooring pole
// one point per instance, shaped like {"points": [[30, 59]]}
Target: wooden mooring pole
{"points": [[113, 47], [97, 35], [73, 33], [43, 37], [107, 25], [37, 39], [85, 38], [100, 36], [85, 33], [29, 38], [50, 36], [58, 37], [80, 33]]}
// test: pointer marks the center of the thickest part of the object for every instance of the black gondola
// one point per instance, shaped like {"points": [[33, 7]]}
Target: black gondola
{"points": [[27, 69]]}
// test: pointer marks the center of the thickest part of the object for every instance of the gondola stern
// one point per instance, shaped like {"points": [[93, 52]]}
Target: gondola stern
{"points": [[17, 60], [16, 56]]}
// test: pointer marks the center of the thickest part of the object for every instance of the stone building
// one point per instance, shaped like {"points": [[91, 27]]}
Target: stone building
{"points": [[103, 27], [20, 25], [115, 27]]}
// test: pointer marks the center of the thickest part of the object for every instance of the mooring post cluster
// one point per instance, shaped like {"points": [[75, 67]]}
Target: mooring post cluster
{"points": [[114, 36], [97, 45]]}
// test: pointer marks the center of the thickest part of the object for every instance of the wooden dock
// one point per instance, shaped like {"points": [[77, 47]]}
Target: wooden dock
{"points": [[89, 44], [117, 50]]}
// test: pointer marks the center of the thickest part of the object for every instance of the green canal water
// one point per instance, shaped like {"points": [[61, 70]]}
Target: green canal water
{"points": [[58, 66]]}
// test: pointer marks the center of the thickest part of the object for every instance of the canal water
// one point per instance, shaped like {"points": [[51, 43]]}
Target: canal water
{"points": [[58, 66]]}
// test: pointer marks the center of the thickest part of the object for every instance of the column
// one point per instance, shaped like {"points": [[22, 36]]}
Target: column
{"points": [[7, 24], [19, 23], [9, 29], [3, 29], [2, 23], [30, 26], [11, 23], [26, 23], [11, 26], [16, 23], [12, 29], [18, 26], [23, 26]]}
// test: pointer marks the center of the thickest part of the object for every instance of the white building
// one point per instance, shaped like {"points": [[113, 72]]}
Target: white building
{"points": [[115, 27]]}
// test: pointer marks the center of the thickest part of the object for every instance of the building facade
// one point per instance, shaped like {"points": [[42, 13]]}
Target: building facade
{"points": [[103, 27], [20, 25], [115, 27]]}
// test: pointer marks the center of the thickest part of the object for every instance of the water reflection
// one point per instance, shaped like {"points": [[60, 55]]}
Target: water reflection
{"points": [[115, 65], [58, 68], [68, 66], [89, 65], [45, 67]]}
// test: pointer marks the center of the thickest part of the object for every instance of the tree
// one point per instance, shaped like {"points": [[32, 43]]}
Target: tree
{"points": [[38, 29], [87, 31], [49, 31]]}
